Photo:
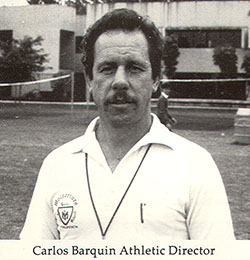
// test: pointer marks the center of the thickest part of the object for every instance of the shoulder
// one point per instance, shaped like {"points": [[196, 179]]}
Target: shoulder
{"points": [[197, 160], [74, 146], [183, 144], [179, 143], [193, 156], [159, 134], [59, 162], [67, 153], [191, 150]]}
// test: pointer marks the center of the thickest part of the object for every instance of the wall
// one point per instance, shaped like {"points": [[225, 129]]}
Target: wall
{"points": [[48, 20], [222, 14], [186, 14], [201, 60], [80, 24], [44, 20]]}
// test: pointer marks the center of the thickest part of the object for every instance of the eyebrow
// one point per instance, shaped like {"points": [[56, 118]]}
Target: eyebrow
{"points": [[128, 62], [105, 63], [138, 63]]}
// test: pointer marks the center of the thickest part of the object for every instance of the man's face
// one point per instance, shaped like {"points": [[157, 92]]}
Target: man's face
{"points": [[122, 77]]}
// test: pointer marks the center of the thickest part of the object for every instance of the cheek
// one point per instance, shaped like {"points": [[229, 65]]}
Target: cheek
{"points": [[101, 84], [147, 90], [95, 94], [98, 94]]}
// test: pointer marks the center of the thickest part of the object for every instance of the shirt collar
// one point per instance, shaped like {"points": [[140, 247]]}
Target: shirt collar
{"points": [[158, 134], [81, 143]]}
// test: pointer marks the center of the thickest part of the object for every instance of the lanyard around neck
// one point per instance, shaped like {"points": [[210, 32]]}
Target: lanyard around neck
{"points": [[104, 232]]}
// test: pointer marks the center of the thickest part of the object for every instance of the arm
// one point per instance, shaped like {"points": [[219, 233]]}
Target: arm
{"points": [[40, 221], [208, 212]]}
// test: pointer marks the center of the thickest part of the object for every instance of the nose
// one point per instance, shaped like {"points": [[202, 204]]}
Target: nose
{"points": [[120, 80]]}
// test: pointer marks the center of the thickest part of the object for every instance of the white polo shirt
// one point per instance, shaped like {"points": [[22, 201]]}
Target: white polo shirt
{"points": [[177, 192]]}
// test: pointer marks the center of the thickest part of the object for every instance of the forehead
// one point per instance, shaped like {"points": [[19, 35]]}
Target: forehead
{"points": [[121, 42]]}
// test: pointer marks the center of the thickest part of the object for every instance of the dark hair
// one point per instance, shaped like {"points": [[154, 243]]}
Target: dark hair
{"points": [[127, 20]]}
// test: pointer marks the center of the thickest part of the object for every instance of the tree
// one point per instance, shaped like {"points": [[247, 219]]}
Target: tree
{"points": [[170, 55], [79, 5], [246, 64], [50, 2], [21, 59], [33, 2], [225, 57]]}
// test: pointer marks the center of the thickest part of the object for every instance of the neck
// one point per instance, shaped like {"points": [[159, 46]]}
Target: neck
{"points": [[117, 141], [127, 133]]}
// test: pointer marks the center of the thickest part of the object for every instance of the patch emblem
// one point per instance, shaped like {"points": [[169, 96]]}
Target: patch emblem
{"points": [[65, 214], [65, 208]]}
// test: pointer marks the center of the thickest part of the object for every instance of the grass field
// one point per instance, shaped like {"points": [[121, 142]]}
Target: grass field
{"points": [[29, 132]]}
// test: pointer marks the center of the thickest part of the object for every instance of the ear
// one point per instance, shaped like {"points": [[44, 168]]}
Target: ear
{"points": [[156, 84]]}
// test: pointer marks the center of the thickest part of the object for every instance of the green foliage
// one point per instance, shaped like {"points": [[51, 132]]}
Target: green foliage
{"points": [[170, 55], [246, 63], [20, 59], [225, 57]]}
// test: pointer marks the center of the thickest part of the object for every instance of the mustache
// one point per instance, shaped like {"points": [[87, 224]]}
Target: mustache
{"points": [[120, 97]]}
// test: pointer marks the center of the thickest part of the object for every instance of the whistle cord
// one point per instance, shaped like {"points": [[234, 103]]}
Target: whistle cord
{"points": [[104, 232]]}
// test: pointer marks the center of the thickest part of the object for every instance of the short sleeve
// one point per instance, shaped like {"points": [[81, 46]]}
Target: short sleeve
{"points": [[40, 221], [208, 212]]}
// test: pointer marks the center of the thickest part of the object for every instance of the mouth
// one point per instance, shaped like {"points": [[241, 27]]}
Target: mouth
{"points": [[121, 105], [120, 102], [120, 99]]}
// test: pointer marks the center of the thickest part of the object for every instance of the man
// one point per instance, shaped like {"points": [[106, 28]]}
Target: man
{"points": [[162, 109], [128, 177]]}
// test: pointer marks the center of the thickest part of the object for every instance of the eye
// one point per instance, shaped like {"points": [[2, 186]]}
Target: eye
{"points": [[135, 68], [107, 69]]}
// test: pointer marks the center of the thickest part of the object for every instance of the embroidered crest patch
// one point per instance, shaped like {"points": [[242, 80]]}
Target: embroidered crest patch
{"points": [[65, 207], [65, 214]]}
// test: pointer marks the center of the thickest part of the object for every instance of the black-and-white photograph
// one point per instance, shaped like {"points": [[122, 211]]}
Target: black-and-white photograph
{"points": [[125, 121]]}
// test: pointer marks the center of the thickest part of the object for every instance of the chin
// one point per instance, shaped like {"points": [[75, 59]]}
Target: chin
{"points": [[122, 121]]}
